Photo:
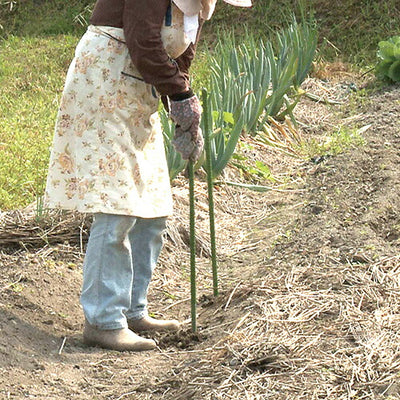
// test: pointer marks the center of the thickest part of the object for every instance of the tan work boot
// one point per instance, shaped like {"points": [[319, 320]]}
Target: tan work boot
{"points": [[116, 339], [151, 324]]}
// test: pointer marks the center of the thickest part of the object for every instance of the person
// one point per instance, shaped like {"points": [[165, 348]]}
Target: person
{"points": [[108, 155]]}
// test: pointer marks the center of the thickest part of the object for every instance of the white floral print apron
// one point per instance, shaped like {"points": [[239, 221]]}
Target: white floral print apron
{"points": [[108, 152]]}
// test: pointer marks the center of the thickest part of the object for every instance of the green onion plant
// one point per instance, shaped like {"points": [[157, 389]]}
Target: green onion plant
{"points": [[257, 79], [250, 83], [175, 162]]}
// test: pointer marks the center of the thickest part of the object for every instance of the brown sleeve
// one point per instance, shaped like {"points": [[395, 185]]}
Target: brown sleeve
{"points": [[108, 14], [142, 21], [184, 61]]}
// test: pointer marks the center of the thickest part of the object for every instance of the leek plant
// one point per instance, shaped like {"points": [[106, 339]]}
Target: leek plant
{"points": [[249, 84], [255, 80], [240, 80], [296, 46], [301, 41], [175, 162], [224, 133]]}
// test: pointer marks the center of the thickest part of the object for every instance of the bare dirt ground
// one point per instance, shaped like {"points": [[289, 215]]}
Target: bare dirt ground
{"points": [[310, 282]]}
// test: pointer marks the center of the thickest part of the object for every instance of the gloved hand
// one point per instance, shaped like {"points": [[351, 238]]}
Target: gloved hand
{"points": [[189, 143], [186, 113], [188, 139]]}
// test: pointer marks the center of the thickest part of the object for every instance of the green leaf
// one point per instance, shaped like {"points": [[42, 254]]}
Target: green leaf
{"points": [[386, 50], [394, 71], [256, 188], [174, 160], [228, 118], [395, 40], [215, 115], [382, 69], [396, 51], [263, 168], [229, 148]]}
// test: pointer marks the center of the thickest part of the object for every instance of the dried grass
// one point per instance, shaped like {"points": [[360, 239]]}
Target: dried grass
{"points": [[235, 209], [23, 229], [299, 342]]}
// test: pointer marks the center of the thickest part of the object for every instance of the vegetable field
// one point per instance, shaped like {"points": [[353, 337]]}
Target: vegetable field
{"points": [[307, 215], [309, 289]]}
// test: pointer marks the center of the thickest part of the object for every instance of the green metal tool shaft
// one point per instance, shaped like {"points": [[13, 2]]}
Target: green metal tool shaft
{"points": [[210, 186], [192, 246]]}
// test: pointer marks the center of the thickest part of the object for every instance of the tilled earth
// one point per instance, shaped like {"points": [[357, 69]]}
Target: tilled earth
{"points": [[309, 305]]}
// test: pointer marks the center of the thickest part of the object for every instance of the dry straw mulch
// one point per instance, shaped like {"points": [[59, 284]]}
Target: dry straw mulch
{"points": [[307, 333], [25, 229]]}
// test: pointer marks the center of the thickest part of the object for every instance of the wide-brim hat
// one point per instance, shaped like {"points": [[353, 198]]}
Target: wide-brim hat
{"points": [[239, 3], [189, 7], [193, 7]]}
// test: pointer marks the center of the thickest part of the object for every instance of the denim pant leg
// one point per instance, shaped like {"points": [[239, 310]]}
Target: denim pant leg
{"points": [[108, 272], [146, 243]]}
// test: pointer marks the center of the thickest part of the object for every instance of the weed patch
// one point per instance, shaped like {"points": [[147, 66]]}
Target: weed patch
{"points": [[332, 144]]}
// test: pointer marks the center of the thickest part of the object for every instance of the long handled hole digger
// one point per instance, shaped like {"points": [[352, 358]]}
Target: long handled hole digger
{"points": [[207, 147]]}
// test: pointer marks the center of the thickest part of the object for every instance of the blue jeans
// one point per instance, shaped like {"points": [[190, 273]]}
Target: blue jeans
{"points": [[120, 259]]}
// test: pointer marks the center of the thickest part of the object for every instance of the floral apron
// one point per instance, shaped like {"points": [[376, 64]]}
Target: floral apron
{"points": [[108, 152]]}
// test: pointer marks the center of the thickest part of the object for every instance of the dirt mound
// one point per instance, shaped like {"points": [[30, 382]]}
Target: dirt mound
{"points": [[309, 305]]}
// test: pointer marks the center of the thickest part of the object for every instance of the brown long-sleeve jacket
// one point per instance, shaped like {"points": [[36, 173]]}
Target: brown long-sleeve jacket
{"points": [[142, 21]]}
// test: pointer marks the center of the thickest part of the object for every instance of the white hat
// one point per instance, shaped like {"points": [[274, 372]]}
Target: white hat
{"points": [[193, 7], [189, 7], [239, 3]]}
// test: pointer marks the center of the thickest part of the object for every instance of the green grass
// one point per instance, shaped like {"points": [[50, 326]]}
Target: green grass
{"points": [[41, 18], [349, 29], [356, 27], [32, 74]]}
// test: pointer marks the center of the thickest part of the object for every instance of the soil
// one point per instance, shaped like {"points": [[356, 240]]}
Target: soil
{"points": [[309, 287]]}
